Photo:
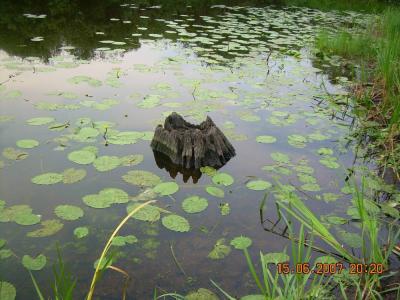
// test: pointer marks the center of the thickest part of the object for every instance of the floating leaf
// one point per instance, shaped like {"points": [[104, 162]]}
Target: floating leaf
{"points": [[47, 178], [194, 204], [311, 187], [40, 121], [68, 212], [210, 171], [49, 227], [14, 154], [305, 178], [131, 160], [34, 264], [7, 291], [27, 144], [224, 208], [201, 294], [258, 185], [241, 242], [5, 253], [297, 140], [325, 151], [81, 232], [216, 192], [82, 78], [352, 239], [329, 162], [330, 197], [280, 157], [166, 188], [141, 178], [148, 213], [106, 163], [123, 240], [220, 250], [266, 139], [10, 213], [27, 219], [276, 257], [124, 138], [73, 175], [176, 223], [82, 157], [223, 179]]}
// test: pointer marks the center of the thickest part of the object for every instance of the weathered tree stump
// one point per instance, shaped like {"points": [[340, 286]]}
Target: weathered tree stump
{"points": [[192, 146]]}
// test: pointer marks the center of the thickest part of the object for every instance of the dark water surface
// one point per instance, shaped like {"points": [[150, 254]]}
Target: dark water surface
{"points": [[250, 68]]}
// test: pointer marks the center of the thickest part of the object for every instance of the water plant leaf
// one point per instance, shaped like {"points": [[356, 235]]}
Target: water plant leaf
{"points": [[194, 204], [210, 171], [47, 178], [141, 178], [330, 197], [87, 79], [306, 178], [325, 151], [124, 138], [82, 157], [40, 121], [224, 208], [27, 143], [166, 188], [276, 257], [27, 219], [131, 160], [175, 223], [201, 294], [7, 291], [49, 227], [352, 239], [266, 139], [10, 213], [2, 243], [120, 241], [5, 253], [106, 163], [220, 250], [72, 175], [253, 297], [280, 157], [223, 179], [329, 162], [34, 264], [297, 141], [14, 154], [68, 212], [241, 242], [216, 192], [311, 187], [258, 185], [149, 213], [81, 232]]}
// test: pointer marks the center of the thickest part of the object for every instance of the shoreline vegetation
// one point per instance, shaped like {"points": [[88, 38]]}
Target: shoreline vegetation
{"points": [[375, 53]]}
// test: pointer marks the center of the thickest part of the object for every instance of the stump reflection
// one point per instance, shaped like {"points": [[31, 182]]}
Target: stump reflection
{"points": [[164, 162]]}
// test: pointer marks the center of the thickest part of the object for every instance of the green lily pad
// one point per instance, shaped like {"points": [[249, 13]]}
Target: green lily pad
{"points": [[280, 157], [10, 213], [27, 144], [131, 160], [149, 213], [14, 154], [7, 291], [72, 175], [81, 232], [210, 171], [330, 197], [2, 243], [141, 178], [166, 188], [311, 187], [82, 78], [194, 204], [266, 139], [34, 264], [297, 141], [352, 239], [68, 212], [47, 178], [258, 185], [220, 250], [176, 223], [276, 257], [201, 294], [106, 163], [40, 121], [49, 227], [27, 219], [216, 192], [82, 157], [224, 208], [124, 138], [5, 253], [325, 151], [120, 241], [329, 162], [241, 242], [253, 297], [88, 132], [223, 179], [306, 178]]}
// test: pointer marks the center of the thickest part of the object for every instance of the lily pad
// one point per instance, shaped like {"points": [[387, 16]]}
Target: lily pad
{"points": [[166, 188], [49, 227], [81, 232], [7, 291], [258, 185], [123, 240], [68, 212], [276, 257], [216, 192], [266, 139], [47, 178], [27, 144], [176, 223], [82, 157], [34, 264], [220, 250], [224, 208], [297, 141], [106, 163], [352, 239], [201, 294], [131, 160], [14, 154], [40, 121], [223, 179], [280, 157], [124, 138], [241, 242], [27, 219], [149, 213], [141, 178], [194, 204], [329, 162], [311, 187], [73, 175], [210, 171]]}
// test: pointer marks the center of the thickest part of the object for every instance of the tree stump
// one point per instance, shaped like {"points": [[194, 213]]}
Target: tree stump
{"points": [[192, 146]]}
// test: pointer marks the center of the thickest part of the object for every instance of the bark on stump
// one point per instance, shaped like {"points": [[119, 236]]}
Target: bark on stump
{"points": [[192, 146]]}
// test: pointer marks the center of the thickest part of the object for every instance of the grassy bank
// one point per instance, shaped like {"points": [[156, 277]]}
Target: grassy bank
{"points": [[375, 50]]}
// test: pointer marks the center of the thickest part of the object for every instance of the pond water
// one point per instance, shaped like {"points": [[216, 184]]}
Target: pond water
{"points": [[101, 77]]}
